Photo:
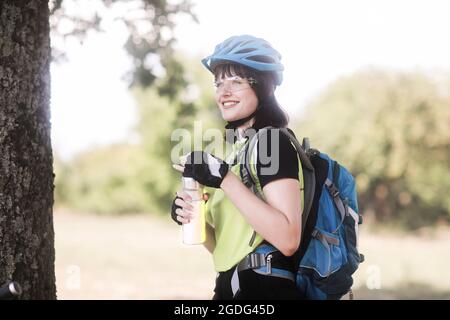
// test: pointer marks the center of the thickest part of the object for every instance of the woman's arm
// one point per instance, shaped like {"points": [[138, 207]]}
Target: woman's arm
{"points": [[279, 220]]}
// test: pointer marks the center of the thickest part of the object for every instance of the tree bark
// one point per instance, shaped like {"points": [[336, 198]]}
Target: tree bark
{"points": [[27, 253]]}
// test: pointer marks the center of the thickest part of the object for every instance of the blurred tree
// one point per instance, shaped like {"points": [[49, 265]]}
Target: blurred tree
{"points": [[392, 130], [105, 181], [61, 170], [139, 177], [161, 116], [150, 24], [26, 175]]}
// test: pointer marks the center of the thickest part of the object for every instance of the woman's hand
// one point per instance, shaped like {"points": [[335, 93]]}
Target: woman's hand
{"points": [[182, 209], [204, 168]]}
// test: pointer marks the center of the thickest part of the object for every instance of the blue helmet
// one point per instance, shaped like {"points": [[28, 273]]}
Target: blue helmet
{"points": [[255, 53]]}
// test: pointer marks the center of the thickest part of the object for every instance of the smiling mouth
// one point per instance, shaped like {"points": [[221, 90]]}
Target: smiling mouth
{"points": [[230, 104]]}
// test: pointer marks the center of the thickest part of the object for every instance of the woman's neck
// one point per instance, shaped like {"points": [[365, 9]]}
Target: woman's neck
{"points": [[241, 129]]}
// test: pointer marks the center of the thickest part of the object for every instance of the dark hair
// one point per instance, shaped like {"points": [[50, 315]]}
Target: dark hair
{"points": [[269, 112]]}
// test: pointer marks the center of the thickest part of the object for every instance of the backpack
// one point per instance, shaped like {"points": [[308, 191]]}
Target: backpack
{"points": [[328, 254]]}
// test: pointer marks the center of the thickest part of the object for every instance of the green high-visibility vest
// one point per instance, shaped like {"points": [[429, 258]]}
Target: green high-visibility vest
{"points": [[235, 237]]}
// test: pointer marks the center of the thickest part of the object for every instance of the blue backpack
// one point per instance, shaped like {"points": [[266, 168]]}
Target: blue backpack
{"points": [[328, 254]]}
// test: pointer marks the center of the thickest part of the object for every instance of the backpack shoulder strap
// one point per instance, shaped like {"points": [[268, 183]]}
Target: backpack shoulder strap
{"points": [[309, 178]]}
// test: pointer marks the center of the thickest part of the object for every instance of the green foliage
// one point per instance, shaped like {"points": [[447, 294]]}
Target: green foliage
{"points": [[159, 118], [61, 172], [150, 25], [156, 172], [103, 181], [140, 178], [126, 178], [392, 130]]}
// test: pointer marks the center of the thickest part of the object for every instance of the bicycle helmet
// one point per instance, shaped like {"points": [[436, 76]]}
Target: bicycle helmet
{"points": [[255, 53]]}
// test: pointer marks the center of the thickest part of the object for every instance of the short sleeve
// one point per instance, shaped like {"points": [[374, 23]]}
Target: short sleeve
{"points": [[277, 158]]}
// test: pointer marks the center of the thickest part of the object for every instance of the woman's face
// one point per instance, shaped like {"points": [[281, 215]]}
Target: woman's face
{"points": [[235, 97]]}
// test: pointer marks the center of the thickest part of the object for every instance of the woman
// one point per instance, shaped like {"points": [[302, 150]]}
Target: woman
{"points": [[240, 224]]}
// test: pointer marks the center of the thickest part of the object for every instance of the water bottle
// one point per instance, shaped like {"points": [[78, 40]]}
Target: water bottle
{"points": [[194, 232]]}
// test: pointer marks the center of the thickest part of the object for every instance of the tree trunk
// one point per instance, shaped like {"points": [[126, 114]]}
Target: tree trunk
{"points": [[27, 253]]}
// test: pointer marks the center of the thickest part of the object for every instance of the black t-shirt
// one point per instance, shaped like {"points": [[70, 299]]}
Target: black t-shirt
{"points": [[277, 158]]}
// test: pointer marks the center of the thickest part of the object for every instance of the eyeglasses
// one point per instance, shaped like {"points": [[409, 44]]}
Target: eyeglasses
{"points": [[233, 84]]}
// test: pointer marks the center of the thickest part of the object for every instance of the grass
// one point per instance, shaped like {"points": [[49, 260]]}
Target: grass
{"points": [[404, 266], [141, 257]]}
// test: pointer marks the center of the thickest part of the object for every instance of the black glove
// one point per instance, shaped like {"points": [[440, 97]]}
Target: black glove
{"points": [[205, 168], [173, 214]]}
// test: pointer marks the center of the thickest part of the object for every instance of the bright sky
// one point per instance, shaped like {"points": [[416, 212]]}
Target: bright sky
{"points": [[319, 41]]}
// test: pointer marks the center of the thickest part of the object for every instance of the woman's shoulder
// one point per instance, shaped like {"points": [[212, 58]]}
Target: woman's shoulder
{"points": [[273, 140], [277, 157]]}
